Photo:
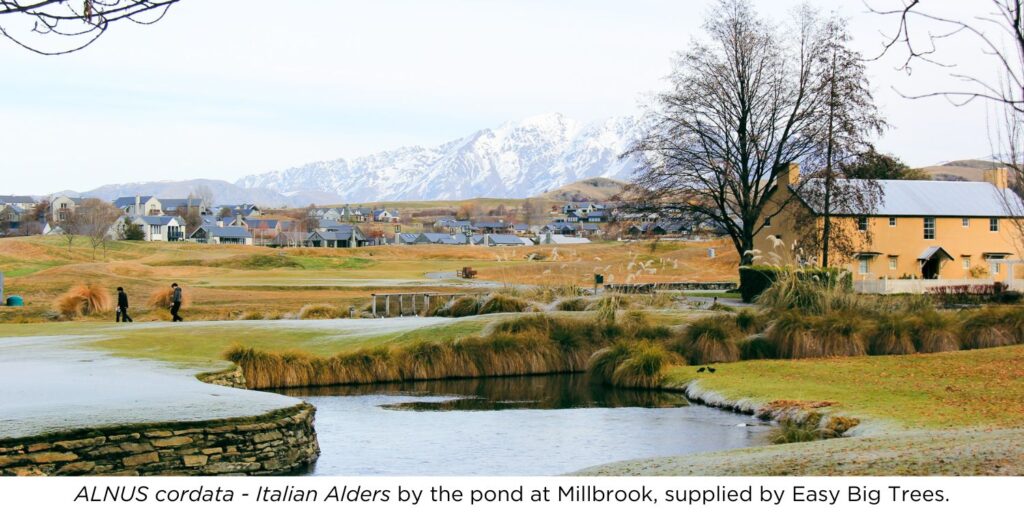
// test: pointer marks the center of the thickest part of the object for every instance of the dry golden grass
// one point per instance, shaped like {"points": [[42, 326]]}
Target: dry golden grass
{"points": [[84, 300], [161, 298]]}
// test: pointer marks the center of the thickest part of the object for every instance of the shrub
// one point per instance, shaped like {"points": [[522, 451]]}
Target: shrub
{"points": [[935, 332], [462, 306], [892, 335], [251, 315], [711, 340], [985, 328], [791, 334], [319, 312], [791, 431], [637, 325], [498, 303], [84, 300], [755, 279], [1013, 323], [840, 335], [757, 347]]}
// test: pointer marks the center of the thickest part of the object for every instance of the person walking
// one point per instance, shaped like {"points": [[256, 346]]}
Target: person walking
{"points": [[176, 303], [122, 306]]}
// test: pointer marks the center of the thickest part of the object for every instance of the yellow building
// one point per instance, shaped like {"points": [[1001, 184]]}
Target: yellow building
{"points": [[918, 230]]}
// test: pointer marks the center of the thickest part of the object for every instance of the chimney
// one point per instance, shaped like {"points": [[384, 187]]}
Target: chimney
{"points": [[487, 239], [788, 175], [999, 177], [138, 204]]}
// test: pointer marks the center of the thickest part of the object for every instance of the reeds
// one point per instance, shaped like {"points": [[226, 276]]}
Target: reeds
{"points": [[749, 321], [84, 300], [840, 335], [757, 347]]}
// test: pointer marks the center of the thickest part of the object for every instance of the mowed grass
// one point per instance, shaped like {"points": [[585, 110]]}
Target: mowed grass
{"points": [[971, 388]]}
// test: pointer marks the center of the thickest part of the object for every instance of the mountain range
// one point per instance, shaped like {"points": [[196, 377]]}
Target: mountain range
{"points": [[521, 159], [515, 160]]}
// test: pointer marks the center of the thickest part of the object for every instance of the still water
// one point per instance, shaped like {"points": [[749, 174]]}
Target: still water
{"points": [[543, 425]]}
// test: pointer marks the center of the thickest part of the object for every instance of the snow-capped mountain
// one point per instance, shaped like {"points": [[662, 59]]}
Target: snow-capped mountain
{"points": [[520, 159]]}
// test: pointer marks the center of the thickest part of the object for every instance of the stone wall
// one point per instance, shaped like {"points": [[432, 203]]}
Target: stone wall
{"points": [[232, 378], [280, 442]]}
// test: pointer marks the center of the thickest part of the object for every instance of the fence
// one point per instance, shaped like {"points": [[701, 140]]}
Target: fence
{"points": [[886, 286]]}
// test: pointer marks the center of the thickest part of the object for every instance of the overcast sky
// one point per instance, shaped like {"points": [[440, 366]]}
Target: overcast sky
{"points": [[233, 87]]}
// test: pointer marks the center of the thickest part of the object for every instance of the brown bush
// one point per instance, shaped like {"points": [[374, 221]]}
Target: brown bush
{"points": [[161, 298]]}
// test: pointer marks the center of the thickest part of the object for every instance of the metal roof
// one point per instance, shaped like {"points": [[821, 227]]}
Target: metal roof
{"points": [[932, 251], [938, 199], [158, 220], [226, 232]]}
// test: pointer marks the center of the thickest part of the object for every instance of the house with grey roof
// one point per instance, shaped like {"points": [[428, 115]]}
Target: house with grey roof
{"points": [[344, 236], [218, 235], [160, 228]]}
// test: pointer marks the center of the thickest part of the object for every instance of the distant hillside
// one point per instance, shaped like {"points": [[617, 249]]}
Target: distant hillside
{"points": [[591, 189], [960, 170]]}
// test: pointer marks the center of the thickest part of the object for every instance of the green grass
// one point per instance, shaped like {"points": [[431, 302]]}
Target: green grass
{"points": [[977, 388]]}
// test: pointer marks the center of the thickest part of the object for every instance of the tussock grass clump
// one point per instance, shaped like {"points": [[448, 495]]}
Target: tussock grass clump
{"points": [[84, 300], [985, 328], [251, 315], [644, 366], [1013, 323], [757, 347], [637, 325], [607, 306], [935, 332], [791, 334], [527, 345], [462, 306], [718, 306], [840, 335], [572, 304], [499, 303], [791, 431], [319, 312], [603, 363], [751, 322], [161, 298], [711, 340], [892, 335]]}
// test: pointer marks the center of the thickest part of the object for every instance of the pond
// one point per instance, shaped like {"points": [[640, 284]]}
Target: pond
{"points": [[540, 425]]}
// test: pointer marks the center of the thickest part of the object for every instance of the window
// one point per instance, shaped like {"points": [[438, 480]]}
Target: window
{"points": [[892, 222], [966, 262], [863, 267], [767, 221], [862, 223], [965, 222], [154, 230], [995, 265], [993, 224], [929, 228], [892, 262]]}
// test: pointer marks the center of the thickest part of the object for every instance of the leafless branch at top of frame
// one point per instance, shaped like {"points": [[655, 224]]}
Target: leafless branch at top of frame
{"points": [[79, 22]]}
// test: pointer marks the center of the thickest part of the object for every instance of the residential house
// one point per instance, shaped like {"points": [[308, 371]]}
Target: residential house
{"points": [[61, 207], [235, 210], [385, 215], [551, 238], [560, 228], [160, 228], [11, 216], [498, 226], [919, 229], [222, 235], [24, 202], [289, 239], [345, 236], [453, 226]]}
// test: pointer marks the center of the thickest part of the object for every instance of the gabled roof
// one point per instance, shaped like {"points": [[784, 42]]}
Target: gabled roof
{"points": [[124, 202], [226, 232], [16, 199], [408, 238], [439, 238], [175, 204], [158, 220], [922, 198], [344, 234], [505, 240]]}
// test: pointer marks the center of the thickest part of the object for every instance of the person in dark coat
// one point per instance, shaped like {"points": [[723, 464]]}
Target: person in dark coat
{"points": [[176, 303], [122, 306]]}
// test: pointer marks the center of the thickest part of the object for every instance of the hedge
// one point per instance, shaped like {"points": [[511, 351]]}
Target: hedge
{"points": [[757, 278]]}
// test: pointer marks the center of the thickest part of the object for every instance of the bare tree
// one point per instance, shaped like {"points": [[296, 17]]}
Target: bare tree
{"points": [[534, 211], [205, 195], [850, 119], [744, 103], [922, 30], [33, 24], [96, 218], [70, 226]]}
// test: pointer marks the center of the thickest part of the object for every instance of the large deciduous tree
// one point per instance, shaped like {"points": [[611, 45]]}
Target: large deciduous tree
{"points": [[746, 100]]}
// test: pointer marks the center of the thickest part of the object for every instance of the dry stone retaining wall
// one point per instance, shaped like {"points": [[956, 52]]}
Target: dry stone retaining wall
{"points": [[279, 442]]}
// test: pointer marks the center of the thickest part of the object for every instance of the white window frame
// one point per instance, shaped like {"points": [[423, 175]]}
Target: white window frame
{"points": [[966, 262], [993, 224], [893, 262], [927, 221], [965, 222], [892, 222]]}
